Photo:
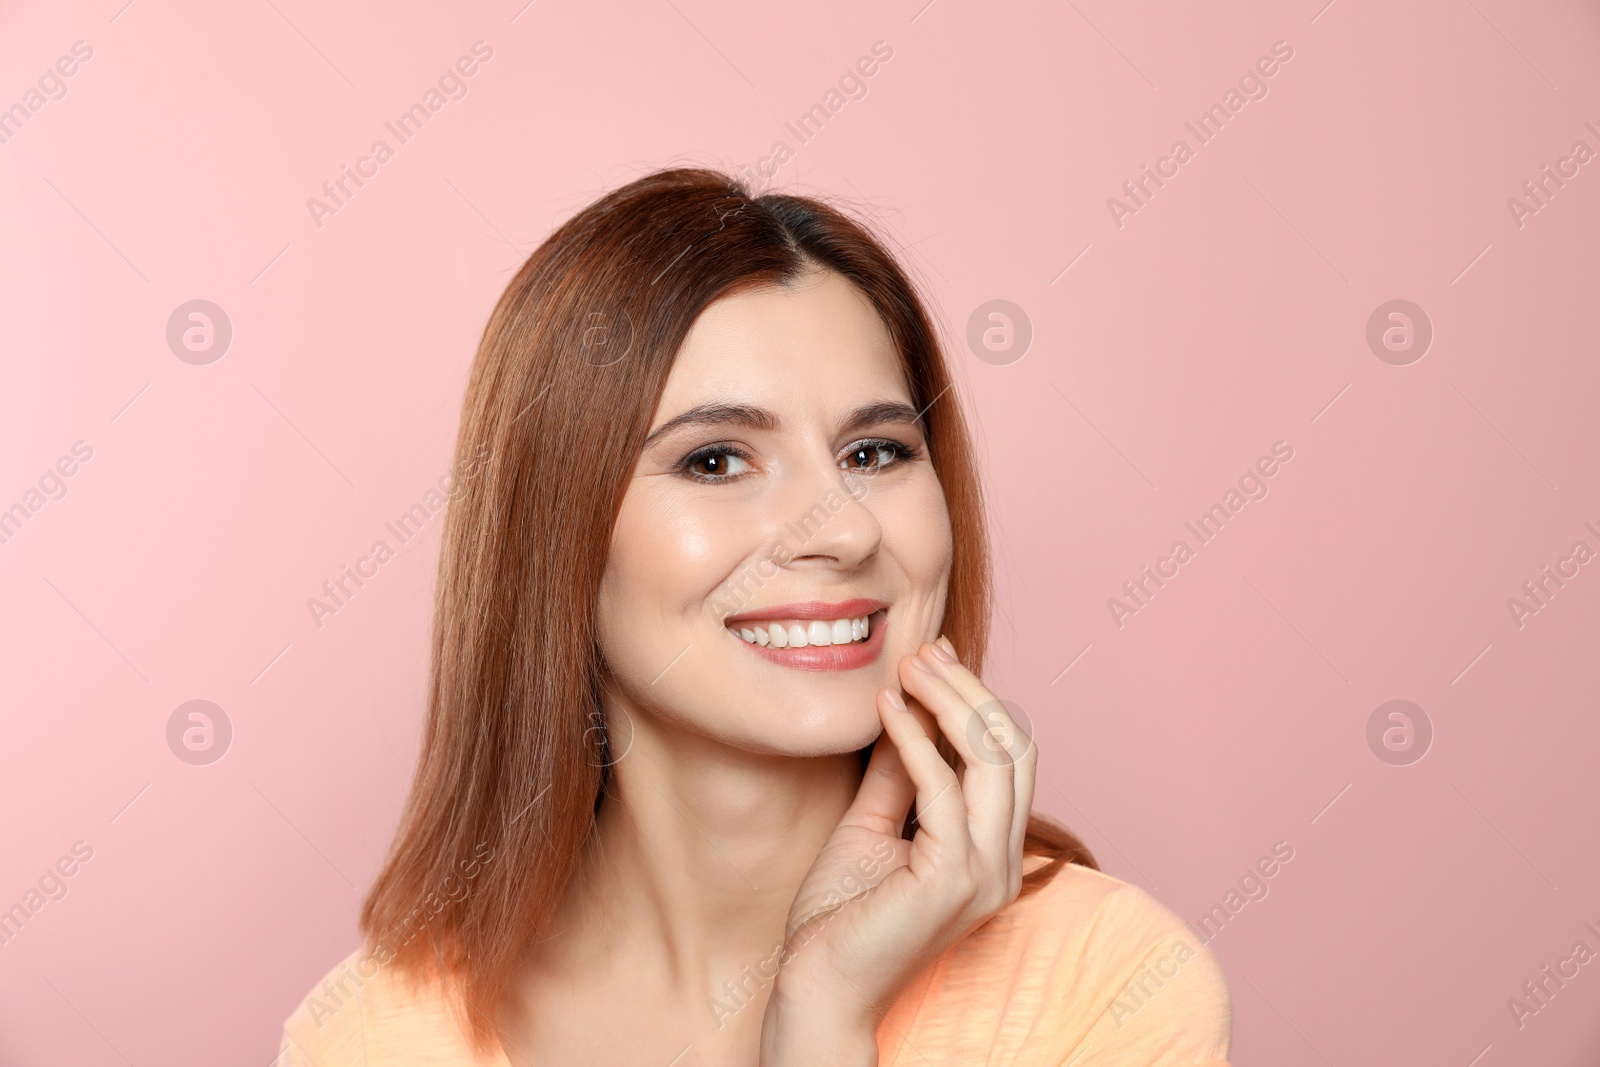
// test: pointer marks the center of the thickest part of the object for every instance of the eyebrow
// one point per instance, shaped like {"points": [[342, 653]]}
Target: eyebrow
{"points": [[722, 413]]}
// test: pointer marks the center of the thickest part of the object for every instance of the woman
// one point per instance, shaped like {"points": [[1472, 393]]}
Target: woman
{"points": [[702, 782]]}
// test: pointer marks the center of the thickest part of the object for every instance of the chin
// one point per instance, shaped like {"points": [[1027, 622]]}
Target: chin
{"points": [[830, 730], [802, 718]]}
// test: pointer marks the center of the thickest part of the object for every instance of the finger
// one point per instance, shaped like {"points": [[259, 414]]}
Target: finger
{"points": [[886, 792], [941, 807], [993, 737], [1004, 739], [1027, 769], [988, 782]]}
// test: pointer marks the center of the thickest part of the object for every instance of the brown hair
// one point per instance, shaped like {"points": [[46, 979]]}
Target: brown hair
{"points": [[572, 364]]}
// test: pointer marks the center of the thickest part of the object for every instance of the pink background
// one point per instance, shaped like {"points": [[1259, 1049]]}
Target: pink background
{"points": [[1168, 354]]}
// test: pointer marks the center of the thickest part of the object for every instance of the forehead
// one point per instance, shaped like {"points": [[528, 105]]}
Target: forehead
{"points": [[815, 345]]}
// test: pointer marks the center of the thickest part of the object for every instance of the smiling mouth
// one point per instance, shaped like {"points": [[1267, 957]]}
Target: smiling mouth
{"points": [[803, 633], [815, 635]]}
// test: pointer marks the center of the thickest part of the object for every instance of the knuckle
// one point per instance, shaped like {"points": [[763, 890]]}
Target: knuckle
{"points": [[968, 887]]}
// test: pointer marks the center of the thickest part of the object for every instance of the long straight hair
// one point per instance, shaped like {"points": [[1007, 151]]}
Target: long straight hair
{"points": [[566, 381]]}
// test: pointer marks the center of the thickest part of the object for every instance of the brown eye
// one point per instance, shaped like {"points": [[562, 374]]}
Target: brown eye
{"points": [[862, 457], [715, 464], [874, 455]]}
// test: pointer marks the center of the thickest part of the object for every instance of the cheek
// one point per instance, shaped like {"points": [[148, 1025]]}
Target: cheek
{"points": [[934, 542], [667, 558], [916, 528]]}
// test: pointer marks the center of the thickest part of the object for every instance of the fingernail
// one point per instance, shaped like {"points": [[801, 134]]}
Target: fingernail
{"points": [[894, 700], [948, 647], [939, 651], [916, 661]]}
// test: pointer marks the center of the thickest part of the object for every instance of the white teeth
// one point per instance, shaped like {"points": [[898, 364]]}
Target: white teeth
{"points": [[801, 634]]}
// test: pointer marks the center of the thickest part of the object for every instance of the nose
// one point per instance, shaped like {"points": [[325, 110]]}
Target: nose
{"points": [[828, 520]]}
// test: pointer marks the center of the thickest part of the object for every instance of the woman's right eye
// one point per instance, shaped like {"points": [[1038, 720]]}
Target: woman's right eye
{"points": [[716, 463]]}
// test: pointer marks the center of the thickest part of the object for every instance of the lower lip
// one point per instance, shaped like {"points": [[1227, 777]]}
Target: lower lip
{"points": [[848, 657]]}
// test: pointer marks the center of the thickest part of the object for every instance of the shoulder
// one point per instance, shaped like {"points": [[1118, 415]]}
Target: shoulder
{"points": [[1087, 966], [364, 1011]]}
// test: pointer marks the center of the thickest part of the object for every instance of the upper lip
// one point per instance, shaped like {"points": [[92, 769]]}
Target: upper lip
{"points": [[810, 609]]}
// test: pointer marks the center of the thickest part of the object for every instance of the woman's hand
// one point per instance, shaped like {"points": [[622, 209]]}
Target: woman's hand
{"points": [[875, 910]]}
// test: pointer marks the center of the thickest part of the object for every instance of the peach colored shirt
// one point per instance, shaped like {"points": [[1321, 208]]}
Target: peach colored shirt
{"points": [[1087, 972]]}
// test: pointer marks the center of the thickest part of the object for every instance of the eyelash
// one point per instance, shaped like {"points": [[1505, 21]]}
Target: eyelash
{"points": [[899, 450]]}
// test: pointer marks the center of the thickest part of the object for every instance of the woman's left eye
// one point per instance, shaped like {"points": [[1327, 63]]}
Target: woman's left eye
{"points": [[875, 455]]}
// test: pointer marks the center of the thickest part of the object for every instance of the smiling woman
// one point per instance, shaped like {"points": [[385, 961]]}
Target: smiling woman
{"points": [[740, 528]]}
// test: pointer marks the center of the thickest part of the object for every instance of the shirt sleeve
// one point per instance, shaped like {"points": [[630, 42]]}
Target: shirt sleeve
{"points": [[1161, 998], [290, 1054], [1089, 971]]}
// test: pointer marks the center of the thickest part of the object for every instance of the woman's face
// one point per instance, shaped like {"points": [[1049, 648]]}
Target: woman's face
{"points": [[785, 491]]}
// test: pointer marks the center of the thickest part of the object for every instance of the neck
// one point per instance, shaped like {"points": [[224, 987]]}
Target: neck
{"points": [[698, 853]]}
